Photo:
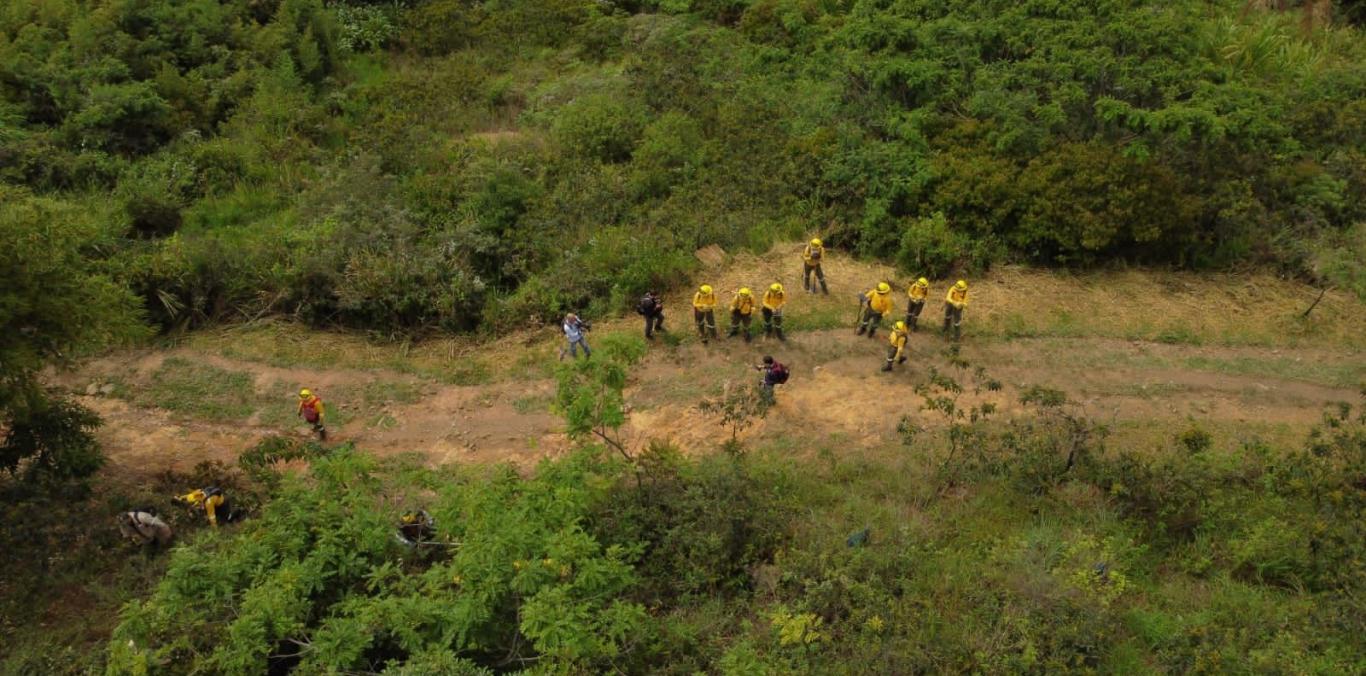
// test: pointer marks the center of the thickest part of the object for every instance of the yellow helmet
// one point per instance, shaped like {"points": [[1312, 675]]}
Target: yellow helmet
{"points": [[961, 284], [815, 241], [775, 287], [305, 393], [882, 287], [706, 288], [744, 291], [922, 281], [900, 326]]}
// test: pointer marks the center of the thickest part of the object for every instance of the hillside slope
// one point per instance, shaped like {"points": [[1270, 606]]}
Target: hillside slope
{"points": [[1146, 350]]}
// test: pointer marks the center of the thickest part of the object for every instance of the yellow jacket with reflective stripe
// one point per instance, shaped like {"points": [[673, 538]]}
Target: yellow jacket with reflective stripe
{"points": [[917, 292], [957, 297], [774, 300], [704, 301], [744, 304], [897, 339], [881, 303], [813, 254]]}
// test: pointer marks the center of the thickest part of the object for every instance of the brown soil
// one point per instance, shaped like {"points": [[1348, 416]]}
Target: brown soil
{"points": [[1096, 353], [836, 391]]}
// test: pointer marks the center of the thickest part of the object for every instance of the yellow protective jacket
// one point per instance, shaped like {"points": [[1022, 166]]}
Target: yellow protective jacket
{"points": [[897, 339], [774, 300], [813, 254], [314, 402], [917, 292], [881, 303], [957, 297], [210, 503], [704, 301], [742, 304]]}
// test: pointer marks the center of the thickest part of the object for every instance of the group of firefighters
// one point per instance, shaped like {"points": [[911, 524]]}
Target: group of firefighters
{"points": [[144, 526], [874, 305]]}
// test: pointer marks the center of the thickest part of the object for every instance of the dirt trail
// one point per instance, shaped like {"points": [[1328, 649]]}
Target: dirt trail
{"points": [[836, 391], [1102, 353]]}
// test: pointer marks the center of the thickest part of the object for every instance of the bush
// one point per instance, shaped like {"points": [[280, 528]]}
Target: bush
{"points": [[603, 127], [931, 248], [524, 579], [50, 439], [364, 28]]}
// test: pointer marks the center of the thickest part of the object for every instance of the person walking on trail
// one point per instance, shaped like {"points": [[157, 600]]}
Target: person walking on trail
{"points": [[896, 346], [772, 310], [574, 330], [812, 256], [873, 306], [651, 307], [741, 312], [775, 373], [144, 527], [917, 292], [704, 312], [214, 503], [954, 302], [312, 410]]}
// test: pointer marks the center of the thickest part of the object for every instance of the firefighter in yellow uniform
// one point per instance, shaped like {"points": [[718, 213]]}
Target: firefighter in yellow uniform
{"points": [[896, 346], [215, 505], [917, 292], [773, 311], [811, 263], [741, 312], [704, 312], [312, 410], [873, 306], [954, 302]]}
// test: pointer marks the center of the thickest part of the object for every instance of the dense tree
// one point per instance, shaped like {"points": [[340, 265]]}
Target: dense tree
{"points": [[506, 160], [54, 305]]}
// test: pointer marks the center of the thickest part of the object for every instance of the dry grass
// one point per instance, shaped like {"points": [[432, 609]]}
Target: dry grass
{"points": [[1010, 302]]}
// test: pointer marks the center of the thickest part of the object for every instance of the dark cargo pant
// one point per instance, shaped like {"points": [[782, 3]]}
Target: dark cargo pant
{"points": [[953, 319], [773, 322], [891, 356], [807, 270], [870, 320], [736, 319], [654, 322], [913, 309], [706, 323]]}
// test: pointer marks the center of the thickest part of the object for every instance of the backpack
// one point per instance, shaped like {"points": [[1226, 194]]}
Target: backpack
{"points": [[778, 373], [648, 305]]}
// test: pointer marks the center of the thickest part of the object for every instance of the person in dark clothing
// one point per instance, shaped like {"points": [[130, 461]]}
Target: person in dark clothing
{"points": [[416, 527], [651, 307], [774, 374]]}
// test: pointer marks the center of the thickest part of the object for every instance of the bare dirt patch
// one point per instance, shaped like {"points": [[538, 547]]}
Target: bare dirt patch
{"points": [[1137, 348]]}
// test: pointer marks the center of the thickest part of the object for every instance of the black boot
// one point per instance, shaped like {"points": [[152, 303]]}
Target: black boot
{"points": [[887, 367]]}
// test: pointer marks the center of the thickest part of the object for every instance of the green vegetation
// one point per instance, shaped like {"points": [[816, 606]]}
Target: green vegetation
{"points": [[54, 305], [1028, 546], [456, 165], [408, 168]]}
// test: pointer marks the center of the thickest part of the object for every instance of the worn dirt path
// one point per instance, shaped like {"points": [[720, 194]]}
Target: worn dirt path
{"points": [[836, 392]]}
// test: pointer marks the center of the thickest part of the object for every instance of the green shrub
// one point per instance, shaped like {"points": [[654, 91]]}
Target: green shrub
{"points": [[603, 127], [930, 247]]}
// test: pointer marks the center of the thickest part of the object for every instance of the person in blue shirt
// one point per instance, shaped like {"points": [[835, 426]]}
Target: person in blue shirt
{"points": [[574, 330]]}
